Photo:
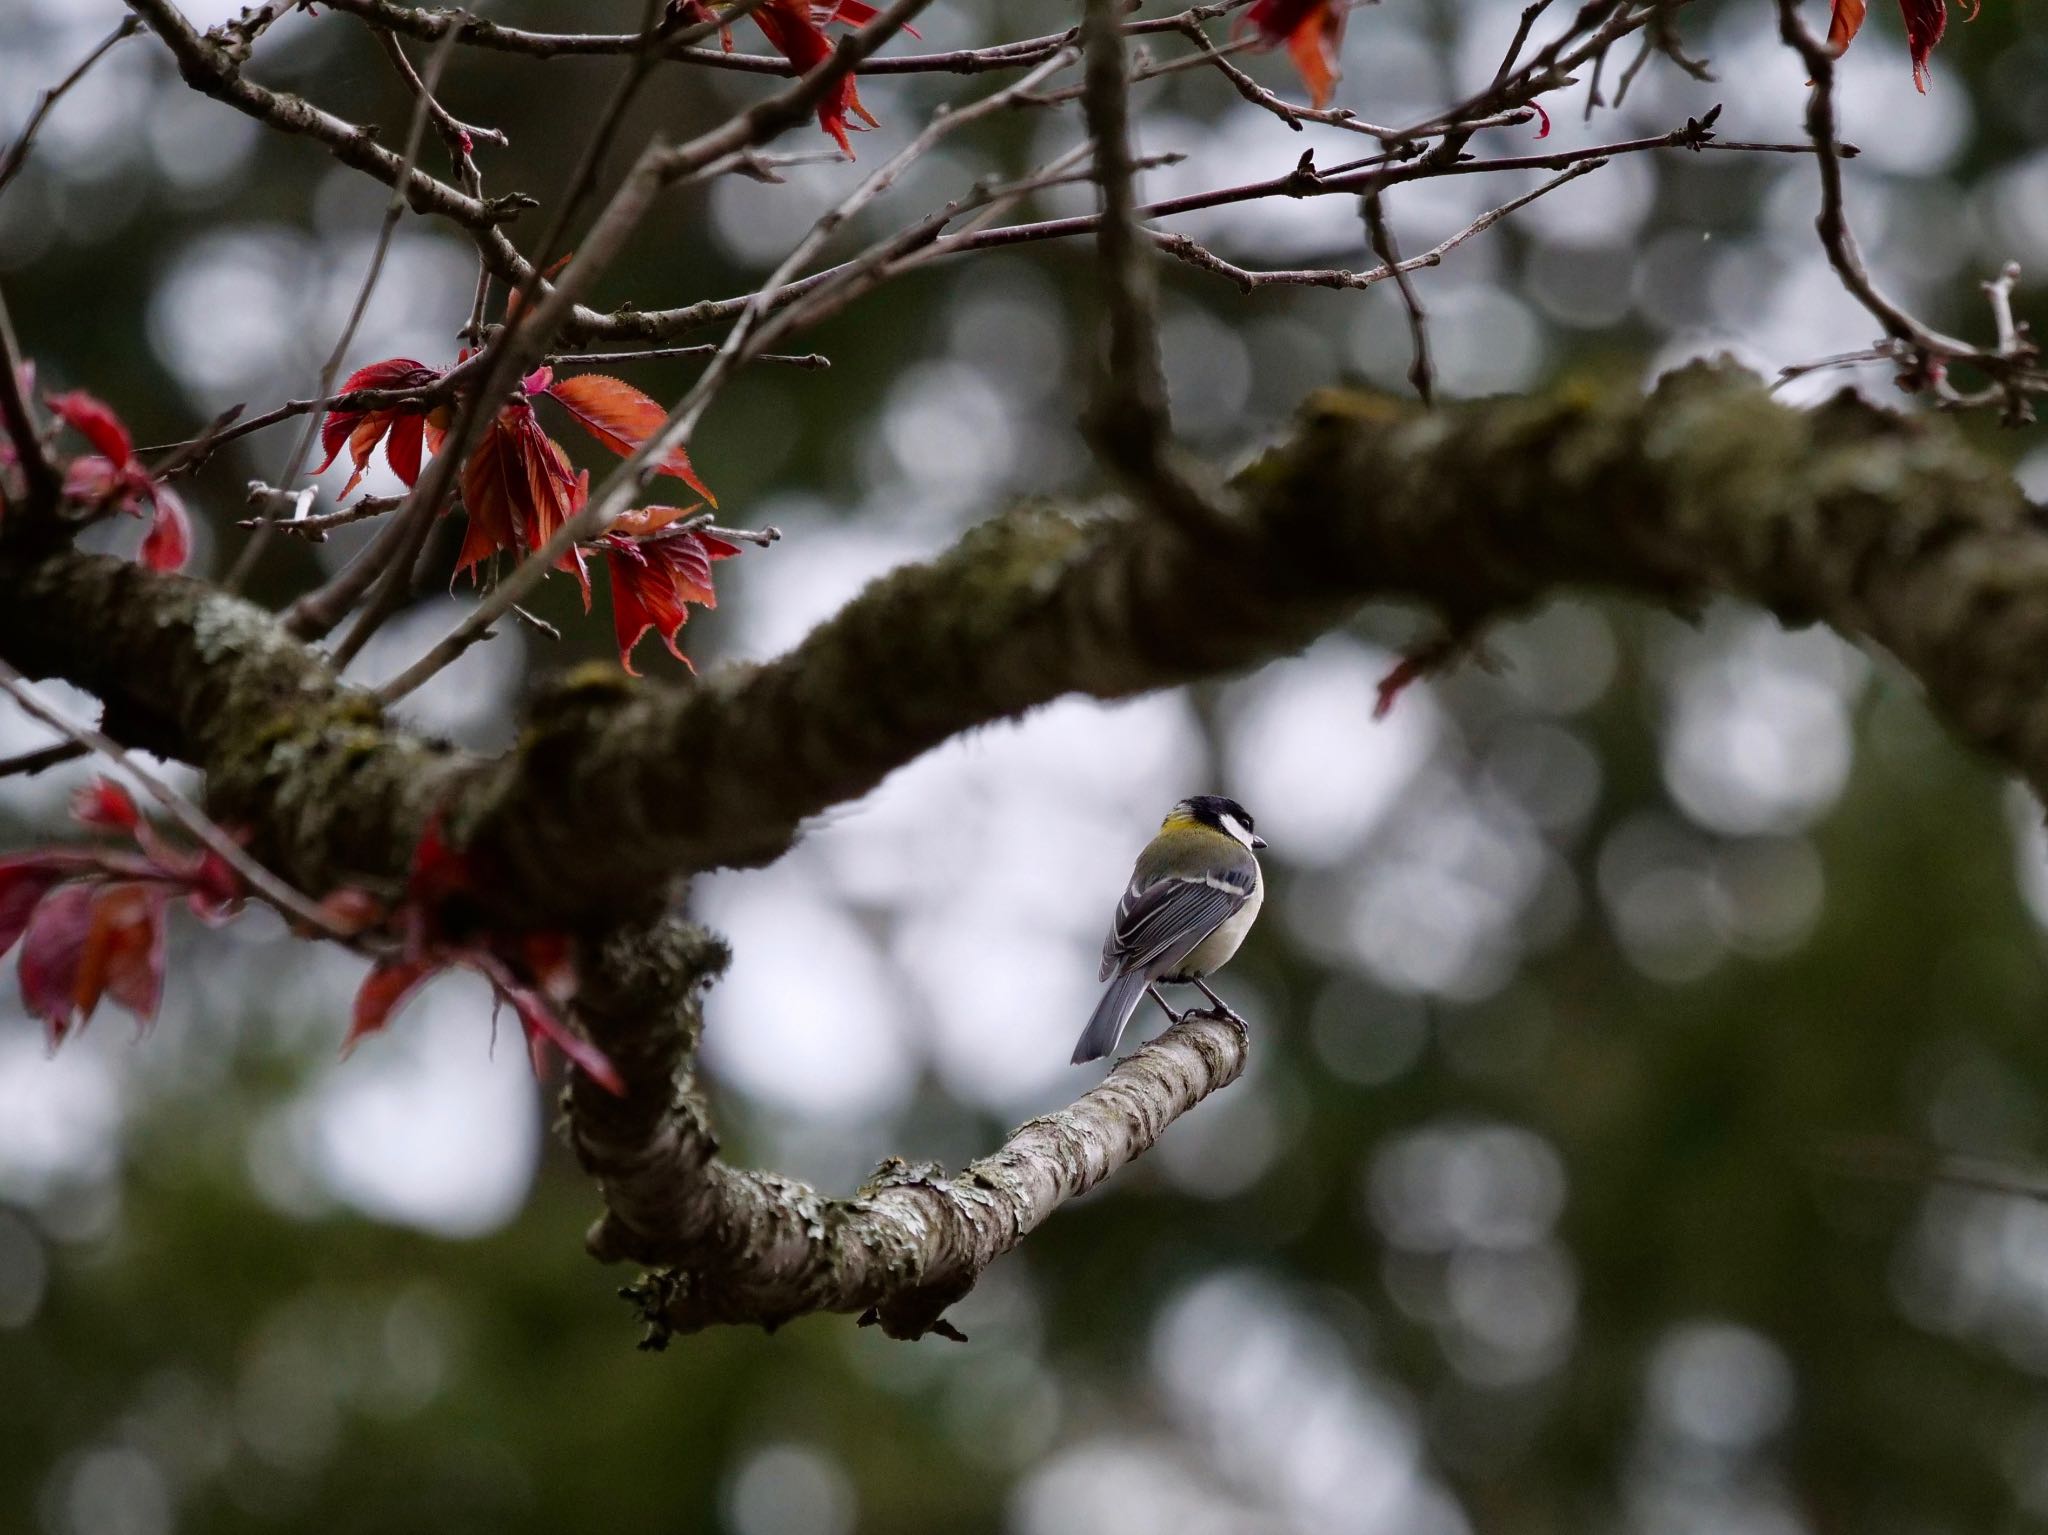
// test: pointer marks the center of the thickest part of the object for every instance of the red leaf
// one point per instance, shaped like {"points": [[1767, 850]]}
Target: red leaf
{"points": [[790, 31], [1926, 21], [361, 430], [105, 806], [124, 952], [622, 418], [538, 1019], [852, 13], [1844, 22], [1313, 31], [50, 957], [517, 487], [23, 883], [168, 543], [402, 449], [383, 992], [655, 577], [93, 420]]}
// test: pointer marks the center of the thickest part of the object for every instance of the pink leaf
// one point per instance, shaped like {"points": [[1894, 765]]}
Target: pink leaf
{"points": [[96, 423], [384, 991], [168, 543], [105, 806]]}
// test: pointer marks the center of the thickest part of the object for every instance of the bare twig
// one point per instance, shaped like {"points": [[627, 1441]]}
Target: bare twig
{"points": [[17, 152], [1420, 373], [1183, 248], [23, 764], [394, 209], [39, 476], [1924, 354], [455, 133], [1128, 423]]}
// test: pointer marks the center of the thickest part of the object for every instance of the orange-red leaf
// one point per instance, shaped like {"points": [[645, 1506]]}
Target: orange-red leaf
{"points": [[622, 418], [1313, 31], [124, 952], [1926, 21], [791, 32], [94, 420], [656, 577], [361, 430], [168, 543], [1845, 22], [517, 486], [382, 993]]}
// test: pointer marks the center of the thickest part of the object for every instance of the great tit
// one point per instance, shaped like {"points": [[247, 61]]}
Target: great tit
{"points": [[1193, 896]]}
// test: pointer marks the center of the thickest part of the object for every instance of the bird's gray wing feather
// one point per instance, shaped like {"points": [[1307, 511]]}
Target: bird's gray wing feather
{"points": [[1156, 918]]}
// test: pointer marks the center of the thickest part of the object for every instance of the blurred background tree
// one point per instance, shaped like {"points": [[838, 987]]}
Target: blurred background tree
{"points": [[1645, 1092]]}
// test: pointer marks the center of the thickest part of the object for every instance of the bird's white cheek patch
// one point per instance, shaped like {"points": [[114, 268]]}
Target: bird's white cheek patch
{"points": [[1236, 829]]}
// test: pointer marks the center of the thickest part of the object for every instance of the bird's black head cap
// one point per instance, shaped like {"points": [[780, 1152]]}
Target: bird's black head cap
{"points": [[1210, 809]]}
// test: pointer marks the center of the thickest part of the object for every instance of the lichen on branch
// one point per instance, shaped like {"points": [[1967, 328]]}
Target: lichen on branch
{"points": [[1894, 530]]}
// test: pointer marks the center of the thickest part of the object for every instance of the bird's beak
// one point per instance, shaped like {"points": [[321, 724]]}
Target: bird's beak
{"points": [[1257, 840]]}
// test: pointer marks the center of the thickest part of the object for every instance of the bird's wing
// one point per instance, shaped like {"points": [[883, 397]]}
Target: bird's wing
{"points": [[1155, 917]]}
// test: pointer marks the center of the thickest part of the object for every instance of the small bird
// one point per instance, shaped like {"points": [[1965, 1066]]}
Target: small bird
{"points": [[1193, 896]]}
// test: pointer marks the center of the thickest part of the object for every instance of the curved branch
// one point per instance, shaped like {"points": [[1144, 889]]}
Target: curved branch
{"points": [[752, 1247], [1891, 529]]}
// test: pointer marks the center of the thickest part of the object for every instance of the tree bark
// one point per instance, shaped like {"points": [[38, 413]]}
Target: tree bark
{"points": [[1893, 530]]}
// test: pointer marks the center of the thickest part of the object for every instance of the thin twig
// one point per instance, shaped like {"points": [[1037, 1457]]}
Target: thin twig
{"points": [[17, 153], [625, 483], [180, 809], [806, 360], [394, 209], [23, 764], [1924, 353], [1128, 423], [1420, 372], [45, 487]]}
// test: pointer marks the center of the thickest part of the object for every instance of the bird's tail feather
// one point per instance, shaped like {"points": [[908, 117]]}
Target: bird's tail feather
{"points": [[1111, 1014]]}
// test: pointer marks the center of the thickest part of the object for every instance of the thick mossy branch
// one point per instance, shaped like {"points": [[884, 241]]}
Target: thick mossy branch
{"points": [[329, 793], [1889, 528], [740, 1246]]}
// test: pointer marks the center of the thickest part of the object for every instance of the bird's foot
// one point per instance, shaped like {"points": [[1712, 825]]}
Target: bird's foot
{"points": [[1222, 1012]]}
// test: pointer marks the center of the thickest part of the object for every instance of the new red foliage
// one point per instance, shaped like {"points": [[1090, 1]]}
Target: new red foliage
{"points": [[531, 972], [112, 478], [1926, 21], [792, 32], [1313, 31], [405, 432], [619, 416], [518, 487], [657, 570], [91, 921]]}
